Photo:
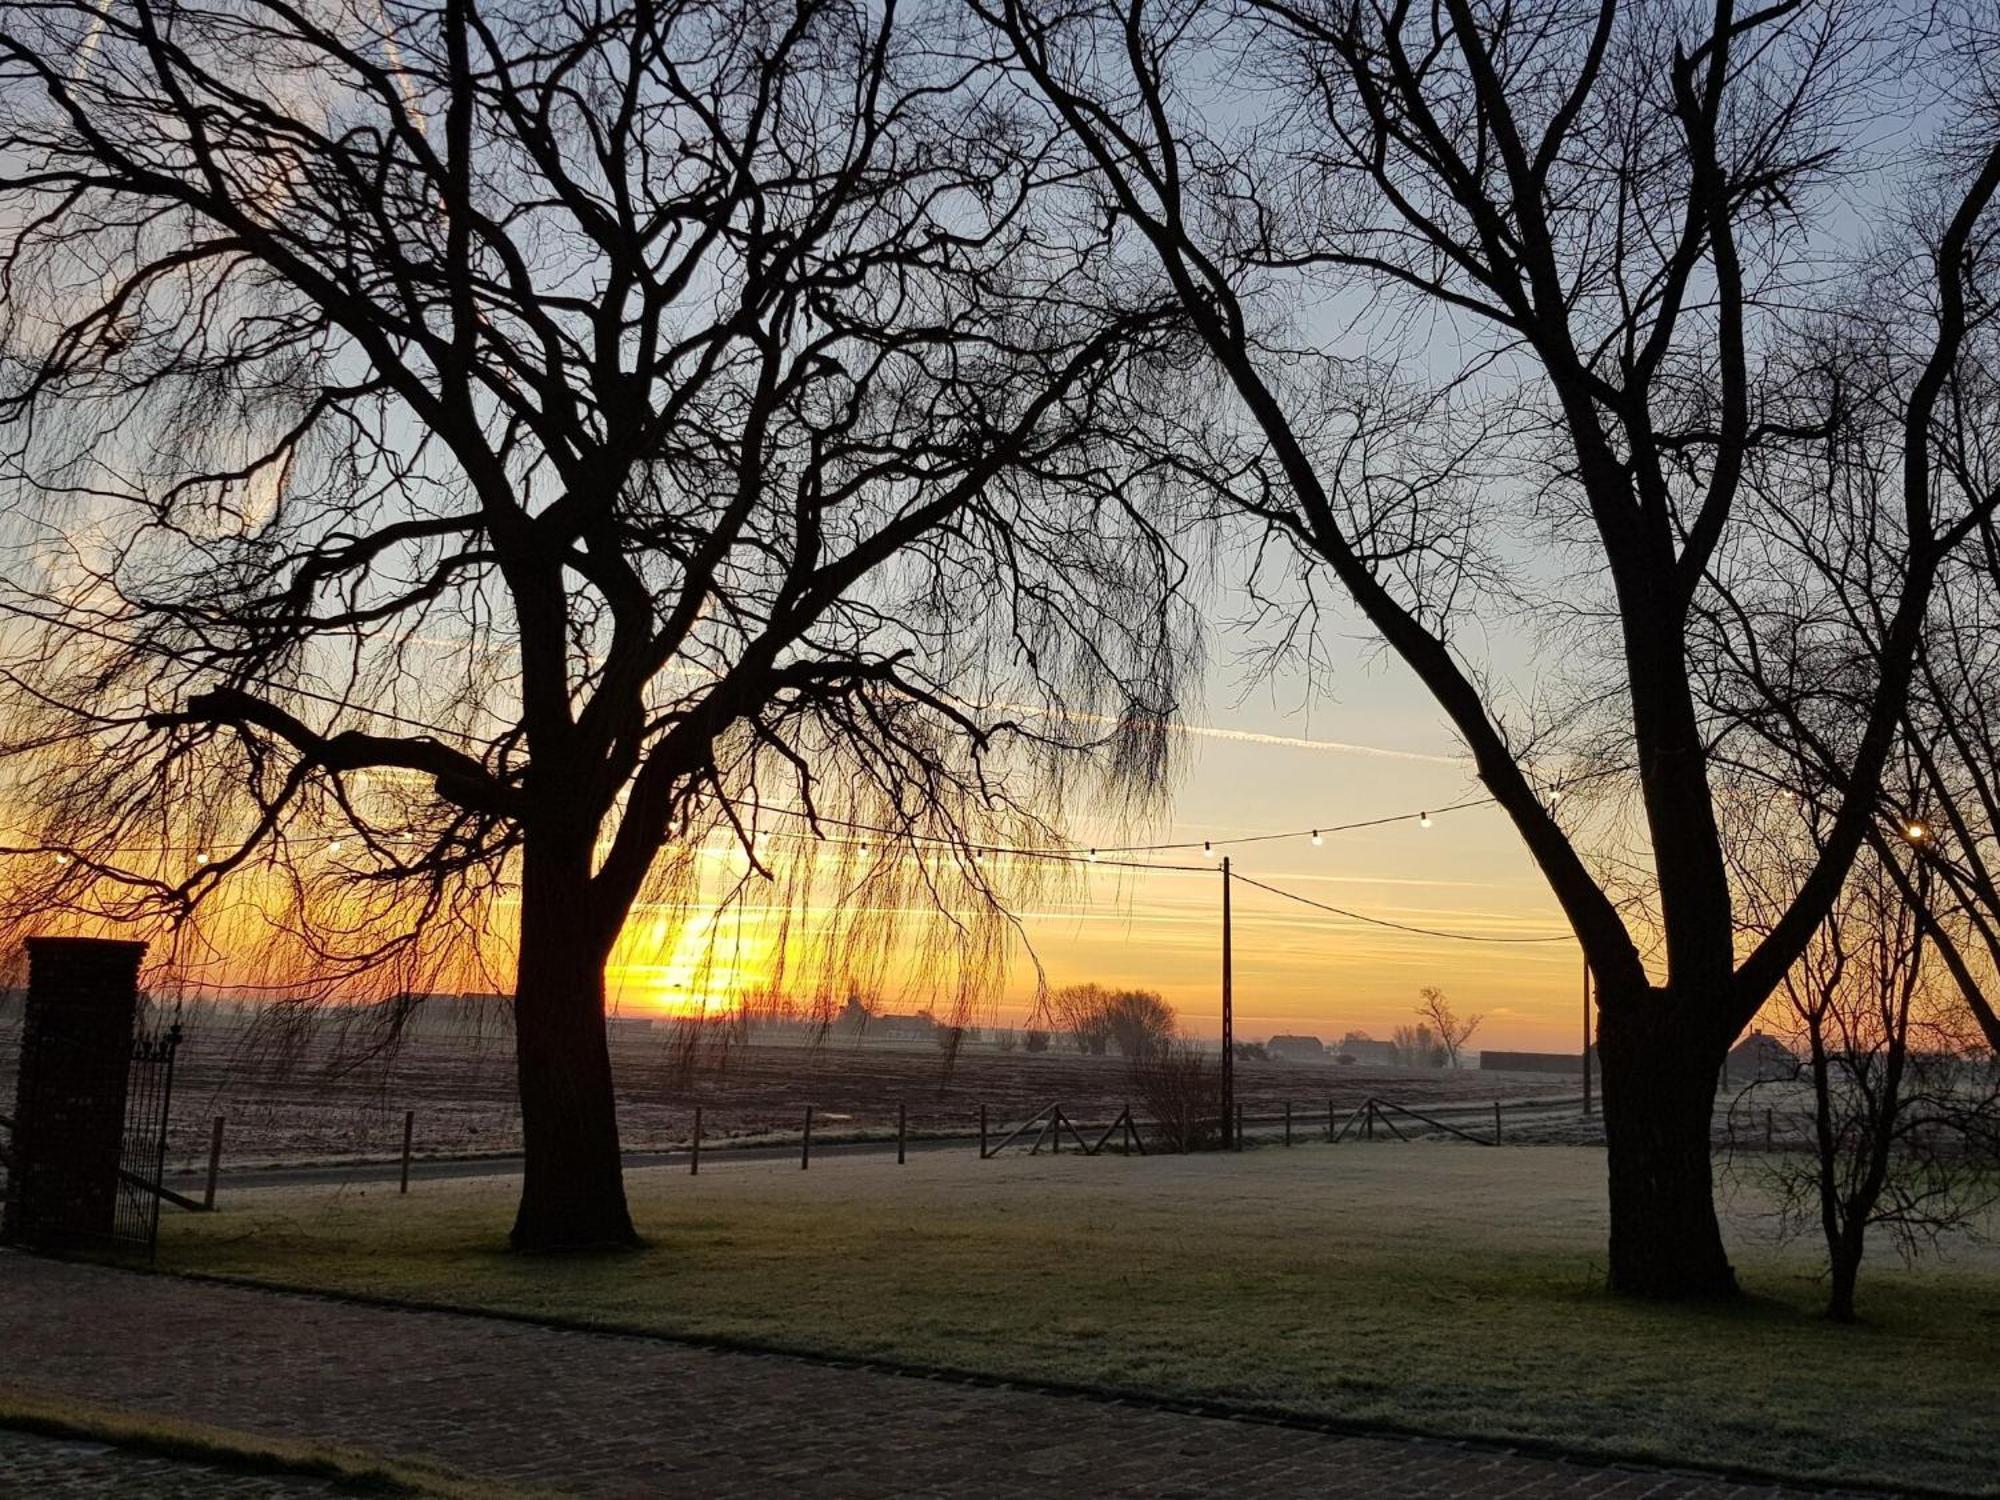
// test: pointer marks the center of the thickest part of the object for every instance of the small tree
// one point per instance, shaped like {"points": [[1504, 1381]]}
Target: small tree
{"points": [[1901, 1110], [1035, 1040], [1452, 1032], [1418, 1047], [1082, 1013], [1139, 1021]]}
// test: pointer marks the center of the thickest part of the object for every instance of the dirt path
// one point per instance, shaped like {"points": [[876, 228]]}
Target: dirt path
{"points": [[597, 1414]]}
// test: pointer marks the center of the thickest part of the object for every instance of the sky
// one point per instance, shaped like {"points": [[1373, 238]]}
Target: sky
{"points": [[1374, 746]]}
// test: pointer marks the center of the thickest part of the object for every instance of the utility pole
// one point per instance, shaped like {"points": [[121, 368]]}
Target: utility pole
{"points": [[1586, 1037], [1228, 1023]]}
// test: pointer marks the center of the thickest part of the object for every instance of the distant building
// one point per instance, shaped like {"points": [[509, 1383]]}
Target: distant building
{"points": [[1759, 1058], [920, 1027], [1296, 1048], [1368, 1052], [1534, 1062]]}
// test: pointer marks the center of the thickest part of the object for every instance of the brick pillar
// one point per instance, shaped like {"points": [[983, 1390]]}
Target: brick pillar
{"points": [[69, 1093]]}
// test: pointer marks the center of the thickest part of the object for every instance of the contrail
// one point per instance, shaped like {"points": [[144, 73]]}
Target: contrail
{"points": [[1241, 736]]}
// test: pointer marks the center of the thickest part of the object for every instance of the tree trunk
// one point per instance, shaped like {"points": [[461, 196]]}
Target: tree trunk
{"points": [[1846, 1265], [1659, 1095], [573, 1185]]}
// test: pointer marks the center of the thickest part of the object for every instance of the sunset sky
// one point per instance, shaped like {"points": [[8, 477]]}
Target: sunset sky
{"points": [[1374, 746]]}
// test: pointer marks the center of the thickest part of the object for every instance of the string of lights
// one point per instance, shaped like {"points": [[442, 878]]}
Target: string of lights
{"points": [[1102, 857]]}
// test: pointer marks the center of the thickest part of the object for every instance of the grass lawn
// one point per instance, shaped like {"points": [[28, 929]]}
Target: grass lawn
{"points": [[1445, 1289]]}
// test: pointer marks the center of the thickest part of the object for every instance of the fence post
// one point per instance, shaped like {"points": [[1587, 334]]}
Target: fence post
{"points": [[1055, 1120], [1496, 1122], [982, 1132], [1288, 1122], [902, 1127], [1370, 1126], [694, 1147], [1239, 1127], [806, 1142], [214, 1164], [1329, 1122], [409, 1129]]}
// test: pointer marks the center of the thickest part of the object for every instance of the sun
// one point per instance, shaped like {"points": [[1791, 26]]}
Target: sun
{"points": [[674, 964]]}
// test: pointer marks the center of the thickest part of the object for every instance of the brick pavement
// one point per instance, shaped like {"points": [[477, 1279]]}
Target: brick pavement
{"points": [[600, 1414], [65, 1469]]}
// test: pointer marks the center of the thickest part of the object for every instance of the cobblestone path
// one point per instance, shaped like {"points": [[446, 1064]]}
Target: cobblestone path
{"points": [[604, 1415]]}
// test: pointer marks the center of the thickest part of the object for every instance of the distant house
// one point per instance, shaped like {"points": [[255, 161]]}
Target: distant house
{"points": [[1533, 1062], [1759, 1058], [1296, 1048], [920, 1027], [1368, 1052]]}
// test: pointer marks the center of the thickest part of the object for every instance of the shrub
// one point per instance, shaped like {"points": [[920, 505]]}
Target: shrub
{"points": [[1036, 1040], [1180, 1086]]}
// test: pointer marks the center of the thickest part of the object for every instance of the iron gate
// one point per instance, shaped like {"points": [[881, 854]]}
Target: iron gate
{"points": [[142, 1152]]}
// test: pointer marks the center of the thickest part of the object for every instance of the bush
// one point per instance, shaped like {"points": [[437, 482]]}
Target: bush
{"points": [[1004, 1038], [1180, 1086], [1036, 1041]]}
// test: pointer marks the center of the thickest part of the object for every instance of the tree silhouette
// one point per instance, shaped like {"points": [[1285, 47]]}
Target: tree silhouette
{"points": [[1585, 234], [515, 440]]}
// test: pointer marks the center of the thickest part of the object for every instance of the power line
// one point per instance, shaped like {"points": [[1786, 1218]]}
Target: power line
{"points": [[1355, 916]]}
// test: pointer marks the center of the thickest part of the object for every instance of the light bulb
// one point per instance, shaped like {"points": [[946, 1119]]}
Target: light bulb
{"points": [[1093, 856], [1317, 840], [334, 847], [1423, 820], [201, 858], [62, 859], [1207, 849], [1916, 830]]}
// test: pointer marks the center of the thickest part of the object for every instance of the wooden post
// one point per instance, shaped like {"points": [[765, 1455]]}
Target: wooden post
{"points": [[1329, 1122], [982, 1132], [214, 1164], [1055, 1119], [1288, 1122], [1496, 1122], [902, 1129], [1370, 1126], [409, 1129], [1239, 1127], [694, 1146], [1229, 1109], [806, 1142]]}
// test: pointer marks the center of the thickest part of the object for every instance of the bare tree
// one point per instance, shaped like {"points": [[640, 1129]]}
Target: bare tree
{"points": [[1140, 1022], [1580, 232], [1451, 1031], [1903, 1119], [1081, 1012], [463, 453]]}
